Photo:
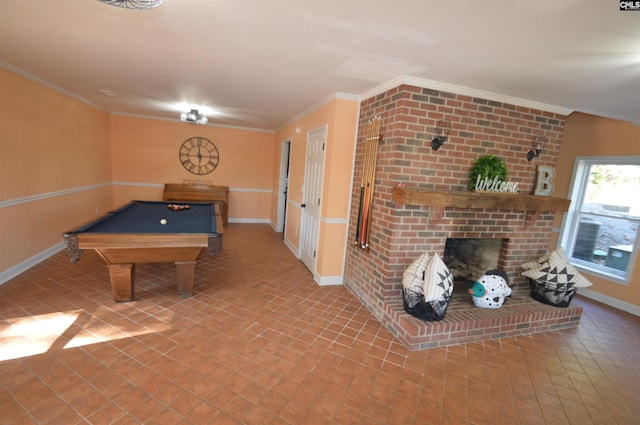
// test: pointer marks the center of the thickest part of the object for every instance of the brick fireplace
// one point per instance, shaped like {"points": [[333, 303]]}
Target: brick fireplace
{"points": [[416, 208]]}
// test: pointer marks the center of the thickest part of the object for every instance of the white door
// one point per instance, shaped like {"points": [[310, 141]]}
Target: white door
{"points": [[311, 192], [284, 186]]}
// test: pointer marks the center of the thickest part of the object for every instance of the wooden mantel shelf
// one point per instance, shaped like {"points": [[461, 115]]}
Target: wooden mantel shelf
{"points": [[459, 199]]}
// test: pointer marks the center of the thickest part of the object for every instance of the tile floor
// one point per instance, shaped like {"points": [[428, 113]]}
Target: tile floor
{"points": [[261, 343]]}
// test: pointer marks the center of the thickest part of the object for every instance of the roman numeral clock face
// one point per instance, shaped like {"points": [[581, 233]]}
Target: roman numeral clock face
{"points": [[199, 155]]}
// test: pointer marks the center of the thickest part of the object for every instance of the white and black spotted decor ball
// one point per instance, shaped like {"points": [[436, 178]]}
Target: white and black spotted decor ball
{"points": [[491, 290]]}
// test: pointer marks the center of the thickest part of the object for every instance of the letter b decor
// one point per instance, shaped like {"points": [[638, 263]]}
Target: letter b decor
{"points": [[544, 187]]}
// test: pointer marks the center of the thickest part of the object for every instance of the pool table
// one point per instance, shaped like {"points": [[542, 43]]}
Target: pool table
{"points": [[149, 232]]}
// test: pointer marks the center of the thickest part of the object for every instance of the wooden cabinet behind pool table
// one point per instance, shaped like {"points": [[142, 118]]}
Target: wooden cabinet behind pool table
{"points": [[198, 192]]}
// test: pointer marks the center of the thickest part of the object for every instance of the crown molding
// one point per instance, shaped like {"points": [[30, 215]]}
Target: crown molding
{"points": [[318, 105], [467, 91], [21, 72], [209, 124], [45, 83]]}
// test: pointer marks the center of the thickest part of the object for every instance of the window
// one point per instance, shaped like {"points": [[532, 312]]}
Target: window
{"points": [[601, 229]]}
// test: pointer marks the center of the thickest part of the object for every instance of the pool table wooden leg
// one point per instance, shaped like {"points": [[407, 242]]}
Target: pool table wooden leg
{"points": [[186, 272], [122, 281]]}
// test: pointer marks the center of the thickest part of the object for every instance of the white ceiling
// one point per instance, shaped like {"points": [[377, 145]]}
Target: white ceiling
{"points": [[261, 63]]}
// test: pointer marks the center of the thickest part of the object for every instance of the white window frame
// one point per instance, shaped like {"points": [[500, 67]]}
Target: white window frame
{"points": [[569, 226]]}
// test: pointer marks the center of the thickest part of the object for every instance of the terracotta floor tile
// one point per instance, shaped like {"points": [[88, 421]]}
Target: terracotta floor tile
{"points": [[258, 416], [237, 407], [63, 415], [483, 416], [167, 417], [168, 394], [90, 404], [293, 412], [346, 415], [273, 401], [624, 420], [325, 406], [261, 343], [107, 415]]}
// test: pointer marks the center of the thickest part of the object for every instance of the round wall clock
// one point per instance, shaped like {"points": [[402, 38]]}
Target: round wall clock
{"points": [[199, 155]]}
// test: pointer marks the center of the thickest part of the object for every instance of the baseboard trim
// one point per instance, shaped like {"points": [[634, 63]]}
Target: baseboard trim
{"points": [[329, 280], [19, 268], [610, 301], [250, 220]]}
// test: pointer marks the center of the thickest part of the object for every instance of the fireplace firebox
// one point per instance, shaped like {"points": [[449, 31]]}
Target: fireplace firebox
{"points": [[469, 258]]}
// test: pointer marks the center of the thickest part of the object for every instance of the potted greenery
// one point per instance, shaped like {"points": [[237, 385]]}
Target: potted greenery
{"points": [[487, 166]]}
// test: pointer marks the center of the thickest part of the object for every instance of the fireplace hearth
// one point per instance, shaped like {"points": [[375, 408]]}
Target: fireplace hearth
{"points": [[465, 323]]}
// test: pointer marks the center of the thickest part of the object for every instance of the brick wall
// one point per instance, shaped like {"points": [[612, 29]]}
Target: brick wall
{"points": [[401, 233]]}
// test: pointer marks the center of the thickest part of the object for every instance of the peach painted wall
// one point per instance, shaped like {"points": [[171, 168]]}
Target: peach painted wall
{"points": [[338, 175], [145, 156], [55, 168], [341, 117], [588, 135]]}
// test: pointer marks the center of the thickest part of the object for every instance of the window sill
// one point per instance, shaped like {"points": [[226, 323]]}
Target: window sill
{"points": [[612, 277]]}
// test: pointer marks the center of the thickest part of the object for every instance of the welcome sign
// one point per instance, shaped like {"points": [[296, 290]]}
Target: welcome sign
{"points": [[486, 184]]}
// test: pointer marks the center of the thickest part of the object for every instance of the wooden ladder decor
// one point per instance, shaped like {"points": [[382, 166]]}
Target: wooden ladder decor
{"points": [[372, 139]]}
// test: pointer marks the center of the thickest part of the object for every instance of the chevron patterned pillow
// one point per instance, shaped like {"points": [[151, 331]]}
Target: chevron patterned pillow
{"points": [[438, 280]]}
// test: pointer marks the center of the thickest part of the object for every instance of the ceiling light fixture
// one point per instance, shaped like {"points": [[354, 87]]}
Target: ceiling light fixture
{"points": [[134, 4], [193, 117]]}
